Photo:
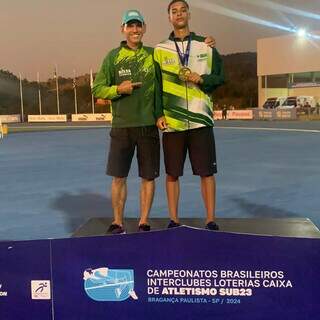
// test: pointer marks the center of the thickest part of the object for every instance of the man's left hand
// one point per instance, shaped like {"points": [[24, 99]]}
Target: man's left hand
{"points": [[210, 42]]}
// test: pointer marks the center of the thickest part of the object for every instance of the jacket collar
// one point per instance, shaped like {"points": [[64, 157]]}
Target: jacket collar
{"points": [[123, 44], [172, 37]]}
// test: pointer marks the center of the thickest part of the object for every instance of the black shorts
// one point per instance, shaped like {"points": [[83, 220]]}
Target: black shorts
{"points": [[122, 147], [199, 143]]}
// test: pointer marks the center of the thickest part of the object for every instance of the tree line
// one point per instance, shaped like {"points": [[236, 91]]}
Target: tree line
{"points": [[240, 90]]}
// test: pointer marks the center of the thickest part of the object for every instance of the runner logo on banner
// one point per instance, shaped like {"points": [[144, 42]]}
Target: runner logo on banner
{"points": [[40, 290]]}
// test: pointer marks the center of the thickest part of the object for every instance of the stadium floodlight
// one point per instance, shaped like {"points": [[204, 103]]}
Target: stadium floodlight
{"points": [[218, 9], [301, 33]]}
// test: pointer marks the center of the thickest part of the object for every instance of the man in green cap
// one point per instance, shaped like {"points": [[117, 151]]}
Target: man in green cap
{"points": [[127, 77]]}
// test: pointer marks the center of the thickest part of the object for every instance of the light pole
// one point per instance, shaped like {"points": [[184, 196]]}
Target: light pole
{"points": [[74, 85], [21, 98], [57, 87], [39, 94], [91, 86]]}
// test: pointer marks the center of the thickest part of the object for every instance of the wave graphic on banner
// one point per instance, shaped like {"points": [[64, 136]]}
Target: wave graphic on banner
{"points": [[105, 284]]}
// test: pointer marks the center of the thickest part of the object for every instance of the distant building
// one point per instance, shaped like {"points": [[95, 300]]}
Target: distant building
{"points": [[288, 66]]}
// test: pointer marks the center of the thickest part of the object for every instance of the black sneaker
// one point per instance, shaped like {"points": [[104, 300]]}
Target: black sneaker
{"points": [[212, 226], [173, 224], [144, 227], [115, 229]]}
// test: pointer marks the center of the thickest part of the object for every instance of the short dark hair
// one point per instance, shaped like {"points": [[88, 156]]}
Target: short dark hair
{"points": [[174, 1]]}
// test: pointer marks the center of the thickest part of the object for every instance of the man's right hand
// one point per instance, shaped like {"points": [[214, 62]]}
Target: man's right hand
{"points": [[125, 87]]}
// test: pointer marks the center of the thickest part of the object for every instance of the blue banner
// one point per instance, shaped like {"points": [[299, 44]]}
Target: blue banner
{"points": [[182, 273], [25, 280]]}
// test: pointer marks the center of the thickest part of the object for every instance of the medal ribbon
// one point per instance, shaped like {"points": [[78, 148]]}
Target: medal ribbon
{"points": [[184, 57]]}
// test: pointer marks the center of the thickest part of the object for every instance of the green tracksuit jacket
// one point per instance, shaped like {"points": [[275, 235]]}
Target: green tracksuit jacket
{"points": [[187, 105], [139, 108]]}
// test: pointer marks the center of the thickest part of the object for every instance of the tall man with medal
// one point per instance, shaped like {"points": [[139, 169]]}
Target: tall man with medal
{"points": [[190, 72], [184, 71]]}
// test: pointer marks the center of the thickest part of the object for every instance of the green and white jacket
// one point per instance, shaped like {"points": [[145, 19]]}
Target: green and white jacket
{"points": [[139, 108], [186, 105]]}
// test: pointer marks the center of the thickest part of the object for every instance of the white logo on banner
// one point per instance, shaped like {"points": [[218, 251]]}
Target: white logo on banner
{"points": [[40, 290], [3, 293]]}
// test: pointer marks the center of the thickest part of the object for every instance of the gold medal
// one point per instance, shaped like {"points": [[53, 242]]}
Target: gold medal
{"points": [[184, 73]]}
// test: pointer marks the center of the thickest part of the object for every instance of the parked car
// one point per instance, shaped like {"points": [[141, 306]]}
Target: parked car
{"points": [[304, 102], [274, 102]]}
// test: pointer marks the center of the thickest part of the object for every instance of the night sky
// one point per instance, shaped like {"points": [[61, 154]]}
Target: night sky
{"points": [[77, 34]]}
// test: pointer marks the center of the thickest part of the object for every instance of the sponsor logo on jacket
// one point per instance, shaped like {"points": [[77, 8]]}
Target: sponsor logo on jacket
{"points": [[124, 72], [169, 61]]}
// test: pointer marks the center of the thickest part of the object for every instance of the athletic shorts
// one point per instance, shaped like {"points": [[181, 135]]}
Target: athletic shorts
{"points": [[123, 143], [200, 145]]}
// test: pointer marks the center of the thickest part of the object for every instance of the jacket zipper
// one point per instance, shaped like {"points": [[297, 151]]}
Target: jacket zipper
{"points": [[186, 86]]}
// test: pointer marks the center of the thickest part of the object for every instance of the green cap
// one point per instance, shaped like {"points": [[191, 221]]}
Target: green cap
{"points": [[131, 15]]}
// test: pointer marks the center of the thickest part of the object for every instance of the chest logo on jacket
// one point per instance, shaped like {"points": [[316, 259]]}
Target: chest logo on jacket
{"points": [[124, 72], [202, 56], [169, 61]]}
